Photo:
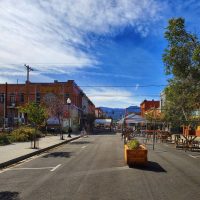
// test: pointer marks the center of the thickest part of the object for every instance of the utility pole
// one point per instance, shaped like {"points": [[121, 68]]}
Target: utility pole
{"points": [[5, 104], [28, 68]]}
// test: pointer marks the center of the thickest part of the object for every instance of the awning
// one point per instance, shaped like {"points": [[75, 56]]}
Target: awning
{"points": [[133, 118]]}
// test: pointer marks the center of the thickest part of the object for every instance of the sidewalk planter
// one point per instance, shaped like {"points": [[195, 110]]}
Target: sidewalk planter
{"points": [[188, 131], [136, 156], [198, 133]]}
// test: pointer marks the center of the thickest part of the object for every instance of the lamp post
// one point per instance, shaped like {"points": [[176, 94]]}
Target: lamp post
{"points": [[69, 104]]}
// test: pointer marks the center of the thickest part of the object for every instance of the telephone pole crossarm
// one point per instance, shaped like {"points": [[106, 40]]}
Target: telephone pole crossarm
{"points": [[28, 68]]}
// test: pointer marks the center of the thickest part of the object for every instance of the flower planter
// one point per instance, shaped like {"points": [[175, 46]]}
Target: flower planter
{"points": [[198, 133], [187, 131], [136, 156]]}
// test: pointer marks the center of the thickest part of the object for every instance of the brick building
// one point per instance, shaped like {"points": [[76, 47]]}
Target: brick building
{"points": [[99, 113], [148, 105], [16, 95]]}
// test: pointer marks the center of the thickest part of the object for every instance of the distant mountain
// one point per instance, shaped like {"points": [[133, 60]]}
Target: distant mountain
{"points": [[133, 109], [115, 113], [118, 113]]}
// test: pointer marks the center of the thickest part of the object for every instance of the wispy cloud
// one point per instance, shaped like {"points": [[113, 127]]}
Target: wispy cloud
{"points": [[112, 97], [51, 33], [137, 86]]}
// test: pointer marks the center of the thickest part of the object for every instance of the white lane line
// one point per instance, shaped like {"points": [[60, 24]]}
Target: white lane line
{"points": [[23, 162], [32, 168], [83, 147], [56, 167]]}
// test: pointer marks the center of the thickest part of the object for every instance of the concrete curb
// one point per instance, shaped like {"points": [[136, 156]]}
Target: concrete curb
{"points": [[18, 159]]}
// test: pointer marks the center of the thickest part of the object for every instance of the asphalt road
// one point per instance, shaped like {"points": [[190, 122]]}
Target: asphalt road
{"points": [[93, 168]]}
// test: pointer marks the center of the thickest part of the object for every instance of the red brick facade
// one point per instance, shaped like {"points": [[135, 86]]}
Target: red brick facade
{"points": [[147, 105], [98, 113], [20, 94]]}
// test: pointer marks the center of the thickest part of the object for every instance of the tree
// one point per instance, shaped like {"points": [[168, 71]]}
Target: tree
{"points": [[55, 108], [36, 115], [154, 115], [182, 62]]}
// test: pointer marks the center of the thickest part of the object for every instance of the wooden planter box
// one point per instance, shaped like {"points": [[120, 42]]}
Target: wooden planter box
{"points": [[137, 156], [198, 133], [187, 131]]}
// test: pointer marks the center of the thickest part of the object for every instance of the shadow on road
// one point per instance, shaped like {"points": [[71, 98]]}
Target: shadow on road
{"points": [[6, 195], [103, 132], [151, 166], [58, 154]]}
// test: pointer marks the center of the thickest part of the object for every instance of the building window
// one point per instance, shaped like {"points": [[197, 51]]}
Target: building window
{"points": [[38, 97], [12, 98], [21, 97], [66, 97], [1, 97]]}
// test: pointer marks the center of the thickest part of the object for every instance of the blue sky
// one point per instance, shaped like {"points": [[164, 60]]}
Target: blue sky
{"points": [[96, 43]]}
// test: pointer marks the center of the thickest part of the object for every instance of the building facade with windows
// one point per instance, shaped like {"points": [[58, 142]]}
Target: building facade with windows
{"points": [[13, 96], [148, 105], [99, 113]]}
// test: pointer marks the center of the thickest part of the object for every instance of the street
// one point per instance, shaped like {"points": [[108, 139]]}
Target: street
{"points": [[93, 168]]}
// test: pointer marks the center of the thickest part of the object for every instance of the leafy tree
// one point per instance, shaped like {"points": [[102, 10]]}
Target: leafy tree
{"points": [[182, 62], [36, 115], [153, 115]]}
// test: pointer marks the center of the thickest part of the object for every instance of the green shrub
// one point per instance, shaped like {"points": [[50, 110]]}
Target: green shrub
{"points": [[4, 139], [24, 134], [133, 144]]}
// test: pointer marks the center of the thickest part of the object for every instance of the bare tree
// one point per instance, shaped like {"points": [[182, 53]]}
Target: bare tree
{"points": [[55, 108]]}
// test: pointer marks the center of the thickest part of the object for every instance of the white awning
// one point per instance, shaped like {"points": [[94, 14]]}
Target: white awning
{"points": [[133, 118]]}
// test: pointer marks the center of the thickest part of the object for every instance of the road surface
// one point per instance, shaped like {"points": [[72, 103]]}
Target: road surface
{"points": [[93, 168]]}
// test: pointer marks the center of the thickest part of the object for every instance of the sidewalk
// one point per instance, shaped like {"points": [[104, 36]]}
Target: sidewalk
{"points": [[15, 152]]}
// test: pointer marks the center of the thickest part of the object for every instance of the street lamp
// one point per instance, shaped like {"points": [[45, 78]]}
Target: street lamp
{"points": [[69, 104]]}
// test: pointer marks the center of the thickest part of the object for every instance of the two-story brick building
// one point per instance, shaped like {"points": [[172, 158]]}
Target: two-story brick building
{"points": [[147, 105], [12, 96], [99, 113]]}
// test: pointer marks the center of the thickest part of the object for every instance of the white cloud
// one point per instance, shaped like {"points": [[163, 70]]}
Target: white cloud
{"points": [[112, 97], [51, 32]]}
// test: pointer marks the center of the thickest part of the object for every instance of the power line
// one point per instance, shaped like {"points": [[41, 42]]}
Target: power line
{"points": [[112, 86], [96, 95], [126, 86]]}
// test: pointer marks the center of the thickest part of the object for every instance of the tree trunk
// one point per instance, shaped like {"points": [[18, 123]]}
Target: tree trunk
{"points": [[34, 139], [61, 133]]}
